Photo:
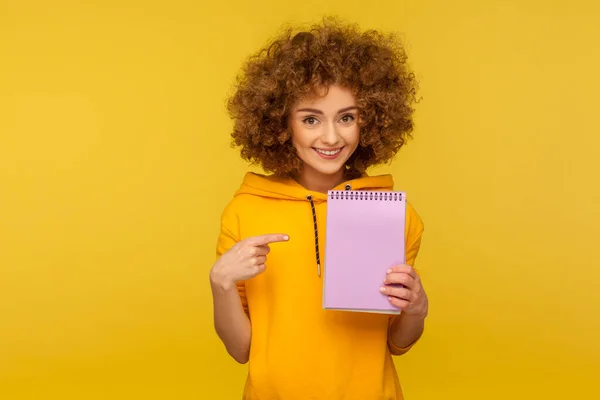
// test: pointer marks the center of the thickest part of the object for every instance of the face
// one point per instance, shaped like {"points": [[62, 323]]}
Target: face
{"points": [[325, 131]]}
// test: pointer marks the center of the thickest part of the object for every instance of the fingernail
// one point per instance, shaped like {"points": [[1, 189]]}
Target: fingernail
{"points": [[389, 271], [382, 289], [286, 238]]}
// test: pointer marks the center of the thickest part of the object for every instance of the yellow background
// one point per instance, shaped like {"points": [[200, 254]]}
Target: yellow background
{"points": [[114, 139]]}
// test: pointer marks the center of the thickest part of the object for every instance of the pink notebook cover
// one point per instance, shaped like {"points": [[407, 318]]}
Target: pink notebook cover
{"points": [[364, 237]]}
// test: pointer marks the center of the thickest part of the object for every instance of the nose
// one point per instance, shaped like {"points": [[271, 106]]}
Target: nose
{"points": [[330, 136]]}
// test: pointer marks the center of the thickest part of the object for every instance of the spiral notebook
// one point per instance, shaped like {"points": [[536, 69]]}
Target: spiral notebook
{"points": [[364, 238]]}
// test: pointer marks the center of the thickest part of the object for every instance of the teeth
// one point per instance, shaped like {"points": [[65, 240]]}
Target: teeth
{"points": [[328, 152]]}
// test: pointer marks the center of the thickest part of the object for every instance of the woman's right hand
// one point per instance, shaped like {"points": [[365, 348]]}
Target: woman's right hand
{"points": [[245, 260]]}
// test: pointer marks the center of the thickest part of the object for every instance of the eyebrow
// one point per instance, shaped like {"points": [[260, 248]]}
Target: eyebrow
{"points": [[315, 111]]}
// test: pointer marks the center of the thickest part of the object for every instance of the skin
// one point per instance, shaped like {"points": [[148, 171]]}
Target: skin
{"points": [[326, 123], [245, 260], [412, 300]]}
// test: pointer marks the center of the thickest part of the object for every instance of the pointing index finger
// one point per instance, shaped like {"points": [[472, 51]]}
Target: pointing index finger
{"points": [[263, 240]]}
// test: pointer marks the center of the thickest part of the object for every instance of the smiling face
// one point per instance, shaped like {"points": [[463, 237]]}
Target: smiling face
{"points": [[325, 133]]}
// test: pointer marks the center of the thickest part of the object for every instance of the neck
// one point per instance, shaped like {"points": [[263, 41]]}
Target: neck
{"points": [[316, 181]]}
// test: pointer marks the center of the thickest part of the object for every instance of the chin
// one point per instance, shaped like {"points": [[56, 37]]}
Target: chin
{"points": [[328, 169]]}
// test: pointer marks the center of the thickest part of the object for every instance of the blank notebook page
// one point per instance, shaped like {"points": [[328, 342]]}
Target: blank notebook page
{"points": [[364, 238]]}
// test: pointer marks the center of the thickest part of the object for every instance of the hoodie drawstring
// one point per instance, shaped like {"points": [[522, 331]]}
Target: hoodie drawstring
{"points": [[314, 215]]}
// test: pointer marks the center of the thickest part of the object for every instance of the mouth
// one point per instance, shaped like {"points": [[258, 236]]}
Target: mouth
{"points": [[328, 153]]}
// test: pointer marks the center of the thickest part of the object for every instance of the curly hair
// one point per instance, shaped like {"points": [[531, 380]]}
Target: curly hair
{"points": [[373, 65]]}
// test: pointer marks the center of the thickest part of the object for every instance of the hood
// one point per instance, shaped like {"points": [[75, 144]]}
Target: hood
{"points": [[288, 189]]}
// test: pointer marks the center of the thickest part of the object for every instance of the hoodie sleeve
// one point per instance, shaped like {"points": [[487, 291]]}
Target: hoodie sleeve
{"points": [[229, 235], [414, 232]]}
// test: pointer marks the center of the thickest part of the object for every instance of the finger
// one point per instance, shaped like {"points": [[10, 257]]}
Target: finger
{"points": [[256, 260], [260, 260], [253, 251], [263, 240], [398, 303], [400, 278], [401, 293], [262, 250], [407, 269], [259, 269]]}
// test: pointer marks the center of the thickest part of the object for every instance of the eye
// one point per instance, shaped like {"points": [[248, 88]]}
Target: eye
{"points": [[310, 120], [347, 118]]}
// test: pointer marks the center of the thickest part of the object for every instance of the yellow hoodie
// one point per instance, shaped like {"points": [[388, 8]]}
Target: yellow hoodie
{"points": [[299, 350]]}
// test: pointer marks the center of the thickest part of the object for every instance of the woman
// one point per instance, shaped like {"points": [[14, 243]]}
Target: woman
{"points": [[315, 109]]}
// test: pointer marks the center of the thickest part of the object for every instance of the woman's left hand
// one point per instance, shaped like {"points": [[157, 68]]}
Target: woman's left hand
{"points": [[411, 298]]}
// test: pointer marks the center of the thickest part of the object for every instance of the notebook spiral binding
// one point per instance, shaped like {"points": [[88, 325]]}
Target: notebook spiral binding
{"points": [[358, 195]]}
